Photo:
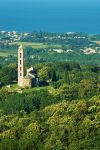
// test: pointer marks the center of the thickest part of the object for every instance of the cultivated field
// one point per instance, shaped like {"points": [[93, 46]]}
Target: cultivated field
{"points": [[7, 52], [38, 45]]}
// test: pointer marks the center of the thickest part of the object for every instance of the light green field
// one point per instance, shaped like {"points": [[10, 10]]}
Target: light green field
{"points": [[33, 45], [38, 45], [4, 54], [7, 52]]}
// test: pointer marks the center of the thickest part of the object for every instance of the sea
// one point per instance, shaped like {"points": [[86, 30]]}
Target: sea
{"points": [[50, 15]]}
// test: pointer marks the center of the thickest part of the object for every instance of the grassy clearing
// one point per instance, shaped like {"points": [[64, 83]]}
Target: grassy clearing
{"points": [[27, 90], [50, 89], [11, 88], [14, 88]]}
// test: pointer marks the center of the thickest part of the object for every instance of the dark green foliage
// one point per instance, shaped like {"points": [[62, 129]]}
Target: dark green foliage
{"points": [[62, 116], [27, 102], [71, 125], [8, 74]]}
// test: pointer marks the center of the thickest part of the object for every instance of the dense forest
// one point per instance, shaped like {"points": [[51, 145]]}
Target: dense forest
{"points": [[63, 113]]}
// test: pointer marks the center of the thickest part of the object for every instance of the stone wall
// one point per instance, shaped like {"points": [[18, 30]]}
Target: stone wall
{"points": [[27, 82]]}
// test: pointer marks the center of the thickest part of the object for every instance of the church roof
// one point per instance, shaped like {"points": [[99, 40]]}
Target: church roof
{"points": [[28, 77], [31, 72]]}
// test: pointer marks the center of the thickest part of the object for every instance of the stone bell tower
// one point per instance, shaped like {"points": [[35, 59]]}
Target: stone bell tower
{"points": [[20, 66]]}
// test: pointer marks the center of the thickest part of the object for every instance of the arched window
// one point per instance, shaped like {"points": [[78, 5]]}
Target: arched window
{"points": [[20, 62], [20, 55]]}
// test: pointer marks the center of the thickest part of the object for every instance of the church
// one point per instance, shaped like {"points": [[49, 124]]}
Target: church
{"points": [[29, 80]]}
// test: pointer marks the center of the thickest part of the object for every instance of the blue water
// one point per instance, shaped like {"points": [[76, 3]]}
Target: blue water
{"points": [[50, 15]]}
